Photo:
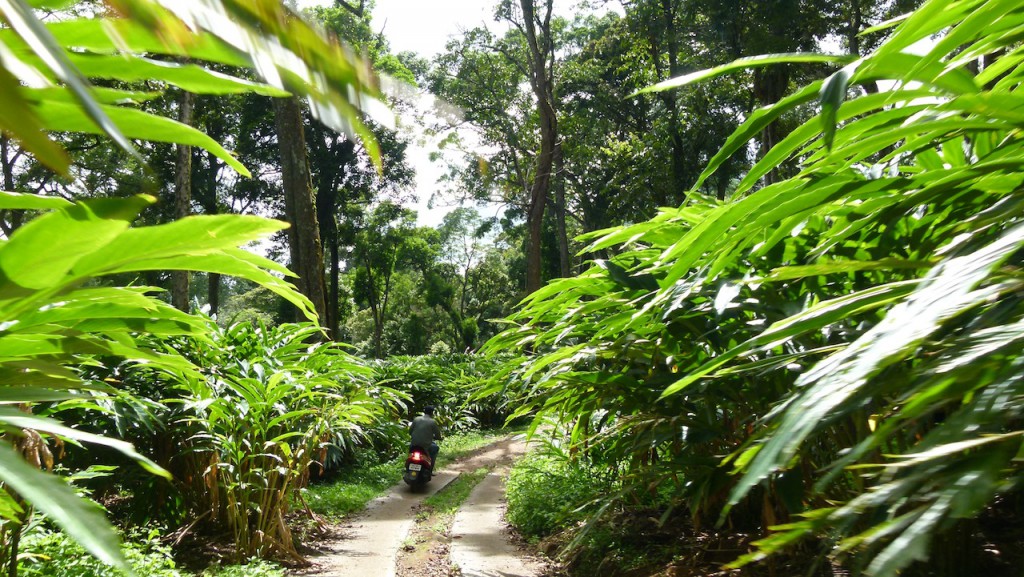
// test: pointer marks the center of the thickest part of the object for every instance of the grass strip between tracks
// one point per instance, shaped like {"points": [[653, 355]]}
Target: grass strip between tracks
{"points": [[358, 485], [425, 550]]}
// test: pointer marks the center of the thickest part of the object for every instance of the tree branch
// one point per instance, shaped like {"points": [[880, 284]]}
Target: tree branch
{"points": [[509, 57], [352, 8]]}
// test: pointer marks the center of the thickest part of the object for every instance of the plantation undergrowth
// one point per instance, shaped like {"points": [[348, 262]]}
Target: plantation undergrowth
{"points": [[54, 554]]}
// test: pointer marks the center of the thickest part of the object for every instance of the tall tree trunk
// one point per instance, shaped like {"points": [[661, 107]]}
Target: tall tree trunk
{"points": [[8, 163], [542, 82], [333, 312], [182, 197], [564, 259], [670, 98], [663, 42], [853, 37], [8, 160], [769, 87], [377, 309], [206, 194], [300, 208], [213, 290], [328, 198]]}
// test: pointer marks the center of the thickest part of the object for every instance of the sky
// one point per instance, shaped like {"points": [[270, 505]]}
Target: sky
{"points": [[424, 28]]}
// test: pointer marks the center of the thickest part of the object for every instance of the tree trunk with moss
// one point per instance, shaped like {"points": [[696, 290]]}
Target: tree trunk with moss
{"points": [[307, 258]]}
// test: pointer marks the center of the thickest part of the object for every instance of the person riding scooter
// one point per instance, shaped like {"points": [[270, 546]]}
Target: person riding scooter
{"points": [[425, 433]]}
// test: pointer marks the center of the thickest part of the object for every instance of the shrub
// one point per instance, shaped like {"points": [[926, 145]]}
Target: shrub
{"points": [[447, 382], [254, 568], [54, 554], [548, 492], [267, 406]]}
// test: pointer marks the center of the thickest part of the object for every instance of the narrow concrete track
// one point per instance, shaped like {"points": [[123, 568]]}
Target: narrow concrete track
{"points": [[369, 544], [480, 545]]}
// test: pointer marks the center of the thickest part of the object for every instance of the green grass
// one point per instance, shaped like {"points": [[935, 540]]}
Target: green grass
{"points": [[354, 488], [455, 447], [357, 486], [255, 568], [448, 500], [545, 493]]}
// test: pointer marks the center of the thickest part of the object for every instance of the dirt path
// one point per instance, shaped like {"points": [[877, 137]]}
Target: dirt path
{"points": [[369, 544]]}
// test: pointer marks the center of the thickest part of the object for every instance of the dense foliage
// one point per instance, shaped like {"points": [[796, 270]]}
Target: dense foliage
{"points": [[834, 354], [264, 408], [59, 311], [58, 321], [815, 340], [447, 382]]}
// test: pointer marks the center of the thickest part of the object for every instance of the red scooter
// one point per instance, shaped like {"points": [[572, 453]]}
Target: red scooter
{"points": [[418, 467]]}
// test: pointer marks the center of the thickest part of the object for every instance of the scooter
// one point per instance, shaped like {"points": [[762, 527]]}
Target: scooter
{"points": [[418, 468]]}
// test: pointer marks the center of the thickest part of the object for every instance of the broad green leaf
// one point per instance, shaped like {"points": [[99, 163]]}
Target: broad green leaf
{"points": [[133, 123], [238, 263], [907, 460], [17, 418], [843, 267], [190, 77], [192, 236], [102, 95], [151, 326], [970, 27], [44, 374], [930, 18], [18, 119], [896, 66], [80, 518], [43, 44], [20, 200], [785, 199], [753, 125], [1001, 68], [335, 83], [814, 318], [35, 391], [42, 252], [744, 64], [947, 291], [912, 543], [75, 312], [811, 129], [51, 4], [990, 106], [790, 209], [833, 93], [109, 36]]}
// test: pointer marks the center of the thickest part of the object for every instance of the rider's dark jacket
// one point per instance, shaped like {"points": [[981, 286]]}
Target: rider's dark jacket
{"points": [[424, 431]]}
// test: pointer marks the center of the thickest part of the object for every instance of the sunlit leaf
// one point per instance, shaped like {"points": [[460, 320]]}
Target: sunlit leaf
{"points": [[81, 519]]}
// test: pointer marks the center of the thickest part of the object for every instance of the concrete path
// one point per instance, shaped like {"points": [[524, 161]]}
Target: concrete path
{"points": [[480, 544], [369, 543]]}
